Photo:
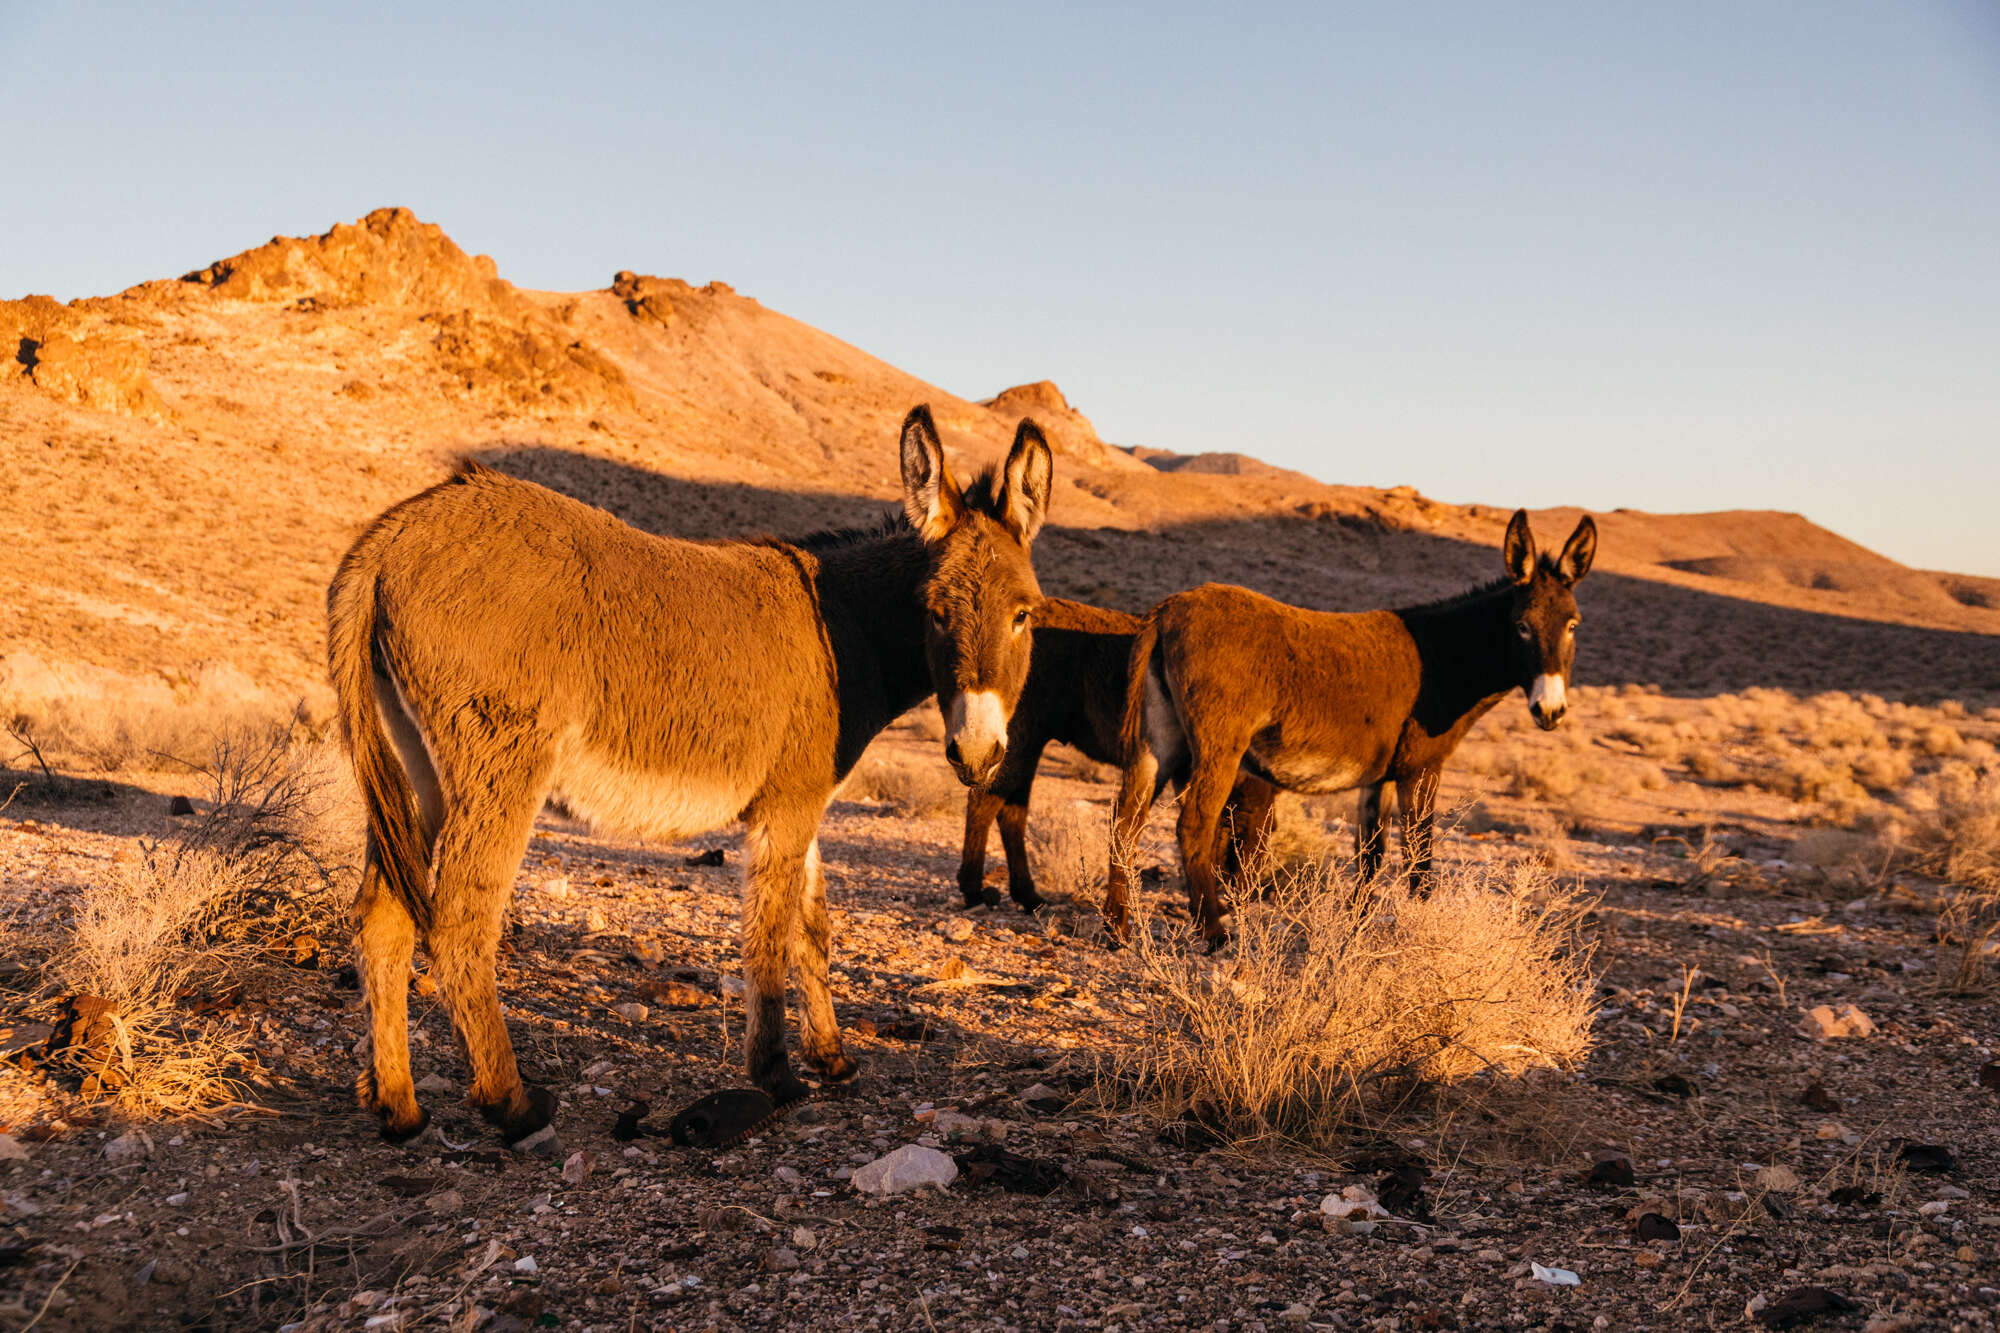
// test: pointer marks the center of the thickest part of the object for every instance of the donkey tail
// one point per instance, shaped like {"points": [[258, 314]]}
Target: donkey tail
{"points": [[396, 842], [1132, 729]]}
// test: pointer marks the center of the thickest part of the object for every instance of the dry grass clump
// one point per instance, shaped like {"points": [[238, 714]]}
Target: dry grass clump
{"points": [[1952, 833], [251, 875], [1069, 847], [1334, 1004], [913, 787], [103, 723]]}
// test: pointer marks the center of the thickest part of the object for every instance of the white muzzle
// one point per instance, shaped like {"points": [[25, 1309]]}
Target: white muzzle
{"points": [[1546, 701], [975, 735]]}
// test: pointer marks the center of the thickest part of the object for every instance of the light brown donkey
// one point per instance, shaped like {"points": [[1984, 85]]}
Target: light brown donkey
{"points": [[1312, 701], [495, 645]]}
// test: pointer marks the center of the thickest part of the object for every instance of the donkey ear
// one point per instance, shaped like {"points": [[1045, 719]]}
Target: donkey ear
{"points": [[931, 498], [1026, 481], [1578, 551], [1519, 548]]}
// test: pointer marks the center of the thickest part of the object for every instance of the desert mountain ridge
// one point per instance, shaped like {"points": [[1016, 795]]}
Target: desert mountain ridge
{"points": [[187, 460]]}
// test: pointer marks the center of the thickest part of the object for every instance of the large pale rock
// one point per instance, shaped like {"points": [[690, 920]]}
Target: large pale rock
{"points": [[1829, 1022], [910, 1167]]}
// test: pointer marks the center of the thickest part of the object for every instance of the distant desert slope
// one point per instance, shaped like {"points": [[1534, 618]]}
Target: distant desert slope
{"points": [[185, 461]]}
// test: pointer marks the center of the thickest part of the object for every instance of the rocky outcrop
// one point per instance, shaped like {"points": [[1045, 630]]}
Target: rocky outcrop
{"points": [[1069, 431], [388, 258], [77, 358]]}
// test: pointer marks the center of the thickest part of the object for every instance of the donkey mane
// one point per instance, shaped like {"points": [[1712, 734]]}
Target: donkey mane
{"points": [[978, 494], [1460, 600]]}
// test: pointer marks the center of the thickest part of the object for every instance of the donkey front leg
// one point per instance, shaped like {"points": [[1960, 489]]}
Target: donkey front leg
{"points": [[774, 874], [819, 1036], [1369, 838], [384, 939], [980, 807], [1014, 838], [1417, 795]]}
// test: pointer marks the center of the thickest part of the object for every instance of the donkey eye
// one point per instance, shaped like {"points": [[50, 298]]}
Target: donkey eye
{"points": [[1021, 620], [1524, 629], [938, 622], [1573, 624]]}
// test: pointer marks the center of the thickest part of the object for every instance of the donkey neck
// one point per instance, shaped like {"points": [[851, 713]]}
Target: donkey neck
{"points": [[868, 599], [1467, 663]]}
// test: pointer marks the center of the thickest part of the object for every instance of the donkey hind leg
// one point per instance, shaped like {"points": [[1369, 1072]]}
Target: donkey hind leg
{"points": [[384, 939], [778, 839], [1014, 838], [1368, 834], [1418, 797], [980, 807], [1200, 820], [478, 850], [819, 1030], [1145, 778], [1246, 830]]}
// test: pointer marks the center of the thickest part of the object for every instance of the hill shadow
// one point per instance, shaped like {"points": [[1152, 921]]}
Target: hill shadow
{"points": [[1686, 641]]}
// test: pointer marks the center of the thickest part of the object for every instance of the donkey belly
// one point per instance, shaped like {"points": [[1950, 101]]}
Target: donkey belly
{"points": [[1310, 773], [618, 794]]}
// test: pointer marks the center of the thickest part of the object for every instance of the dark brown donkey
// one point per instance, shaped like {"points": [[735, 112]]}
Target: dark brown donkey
{"points": [[495, 645], [1075, 695], [1313, 701]]}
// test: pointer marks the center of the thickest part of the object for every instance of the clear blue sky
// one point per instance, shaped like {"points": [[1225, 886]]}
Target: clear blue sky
{"points": [[1670, 256]]}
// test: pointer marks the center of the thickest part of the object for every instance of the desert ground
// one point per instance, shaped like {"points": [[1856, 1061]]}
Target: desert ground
{"points": [[1729, 1062]]}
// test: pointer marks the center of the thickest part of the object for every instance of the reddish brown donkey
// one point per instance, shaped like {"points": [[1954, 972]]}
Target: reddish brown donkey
{"points": [[495, 645], [1075, 695], [1312, 701]]}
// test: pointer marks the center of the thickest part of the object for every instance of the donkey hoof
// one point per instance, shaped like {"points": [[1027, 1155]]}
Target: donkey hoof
{"points": [[978, 895], [834, 1068], [782, 1086], [513, 1128], [1030, 902], [1218, 942], [394, 1134]]}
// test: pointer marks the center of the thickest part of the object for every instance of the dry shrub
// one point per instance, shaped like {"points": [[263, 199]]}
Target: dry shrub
{"points": [[1069, 846], [104, 722], [1336, 1004], [1654, 740], [1545, 773], [912, 787], [1953, 834], [1712, 765], [247, 877]]}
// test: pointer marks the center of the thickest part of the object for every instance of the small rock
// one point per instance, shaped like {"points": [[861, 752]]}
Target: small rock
{"points": [[911, 1166], [1043, 1099], [787, 1176], [674, 994], [446, 1203], [804, 1237], [631, 1011], [1555, 1277], [1779, 1178], [11, 1149], [1817, 1098], [543, 1142], [436, 1084], [1613, 1170], [128, 1146], [595, 922], [1989, 1075], [1295, 1314], [1829, 1130], [1927, 1158], [526, 1264], [578, 1167], [734, 987], [1831, 1022], [781, 1260], [556, 887], [1798, 1306], [179, 805], [1935, 1208], [956, 929], [1656, 1226], [176, 1200], [1352, 1202]]}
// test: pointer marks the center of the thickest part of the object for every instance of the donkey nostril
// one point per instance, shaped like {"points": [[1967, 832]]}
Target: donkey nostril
{"points": [[951, 750]]}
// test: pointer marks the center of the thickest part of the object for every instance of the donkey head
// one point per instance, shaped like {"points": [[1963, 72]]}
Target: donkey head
{"points": [[1543, 637], [981, 594]]}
